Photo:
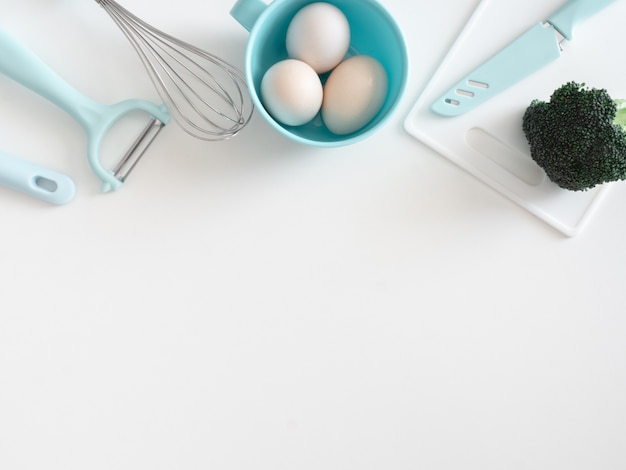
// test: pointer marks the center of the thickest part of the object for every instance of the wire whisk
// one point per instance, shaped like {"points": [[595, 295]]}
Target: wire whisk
{"points": [[206, 95]]}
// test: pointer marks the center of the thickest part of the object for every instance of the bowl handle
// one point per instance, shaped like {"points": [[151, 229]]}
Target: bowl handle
{"points": [[246, 12]]}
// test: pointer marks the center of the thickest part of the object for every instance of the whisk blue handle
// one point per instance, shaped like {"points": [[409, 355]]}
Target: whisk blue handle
{"points": [[20, 64]]}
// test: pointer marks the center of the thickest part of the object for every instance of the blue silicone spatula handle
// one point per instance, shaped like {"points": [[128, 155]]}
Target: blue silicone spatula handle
{"points": [[35, 180], [573, 12]]}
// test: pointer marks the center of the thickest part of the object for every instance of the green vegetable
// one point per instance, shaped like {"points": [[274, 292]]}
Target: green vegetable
{"points": [[578, 137]]}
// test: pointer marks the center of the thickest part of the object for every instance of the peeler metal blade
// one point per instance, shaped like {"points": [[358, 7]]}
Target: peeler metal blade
{"points": [[137, 149]]}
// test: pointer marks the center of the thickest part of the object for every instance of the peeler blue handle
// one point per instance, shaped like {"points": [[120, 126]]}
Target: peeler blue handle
{"points": [[35, 180], [21, 65]]}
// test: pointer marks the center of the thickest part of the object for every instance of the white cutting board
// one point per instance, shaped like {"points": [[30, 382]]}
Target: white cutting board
{"points": [[488, 141]]}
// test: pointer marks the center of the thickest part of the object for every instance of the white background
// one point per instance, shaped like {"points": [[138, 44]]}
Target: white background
{"points": [[258, 304]]}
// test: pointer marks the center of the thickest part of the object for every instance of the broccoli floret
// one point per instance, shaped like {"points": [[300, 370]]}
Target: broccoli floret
{"points": [[578, 137]]}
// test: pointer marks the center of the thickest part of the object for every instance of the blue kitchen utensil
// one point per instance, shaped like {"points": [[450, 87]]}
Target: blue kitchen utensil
{"points": [[531, 51], [35, 180], [21, 65]]}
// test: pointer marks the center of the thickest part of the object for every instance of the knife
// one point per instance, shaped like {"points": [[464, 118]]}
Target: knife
{"points": [[537, 47]]}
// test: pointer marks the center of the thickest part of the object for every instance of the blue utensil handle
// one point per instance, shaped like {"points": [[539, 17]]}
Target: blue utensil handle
{"points": [[20, 64], [573, 12], [35, 180]]}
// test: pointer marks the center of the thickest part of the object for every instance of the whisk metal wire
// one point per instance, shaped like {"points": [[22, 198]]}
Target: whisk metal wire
{"points": [[206, 95]]}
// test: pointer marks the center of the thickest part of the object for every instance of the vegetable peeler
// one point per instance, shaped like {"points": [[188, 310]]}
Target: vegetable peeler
{"points": [[21, 65]]}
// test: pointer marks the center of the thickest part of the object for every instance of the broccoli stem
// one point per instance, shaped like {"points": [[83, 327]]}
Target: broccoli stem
{"points": [[620, 116]]}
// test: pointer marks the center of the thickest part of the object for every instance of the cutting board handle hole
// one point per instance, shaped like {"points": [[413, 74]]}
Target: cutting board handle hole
{"points": [[507, 157]]}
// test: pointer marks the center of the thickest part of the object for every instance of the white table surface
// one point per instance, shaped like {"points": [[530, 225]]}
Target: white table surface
{"points": [[258, 304]]}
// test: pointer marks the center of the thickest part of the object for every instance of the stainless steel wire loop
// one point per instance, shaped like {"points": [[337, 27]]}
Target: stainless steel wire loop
{"points": [[206, 95]]}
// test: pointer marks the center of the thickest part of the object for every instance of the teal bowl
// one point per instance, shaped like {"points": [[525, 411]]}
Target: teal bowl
{"points": [[374, 32]]}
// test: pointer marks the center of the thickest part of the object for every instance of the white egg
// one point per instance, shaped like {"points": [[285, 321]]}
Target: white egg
{"points": [[353, 94], [319, 34], [291, 92]]}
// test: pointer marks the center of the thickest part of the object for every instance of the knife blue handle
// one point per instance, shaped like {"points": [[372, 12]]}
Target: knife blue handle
{"points": [[573, 12]]}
